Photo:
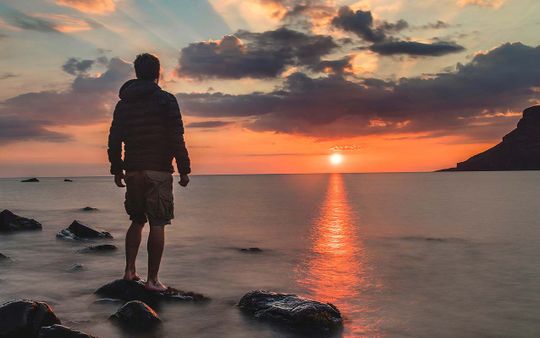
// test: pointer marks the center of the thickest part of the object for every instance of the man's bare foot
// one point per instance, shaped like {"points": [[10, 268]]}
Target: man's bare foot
{"points": [[156, 286], [131, 276]]}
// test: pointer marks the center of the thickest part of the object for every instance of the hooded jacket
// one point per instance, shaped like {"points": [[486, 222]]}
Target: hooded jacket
{"points": [[147, 121]]}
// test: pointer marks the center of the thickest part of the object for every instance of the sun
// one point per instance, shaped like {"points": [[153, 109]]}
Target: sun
{"points": [[336, 158]]}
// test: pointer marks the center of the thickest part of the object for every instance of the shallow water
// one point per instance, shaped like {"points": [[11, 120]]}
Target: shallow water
{"points": [[402, 255]]}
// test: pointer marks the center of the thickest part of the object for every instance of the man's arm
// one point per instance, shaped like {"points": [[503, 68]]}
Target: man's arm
{"points": [[115, 148], [176, 138]]}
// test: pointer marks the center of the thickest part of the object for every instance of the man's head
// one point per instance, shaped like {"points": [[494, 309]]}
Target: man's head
{"points": [[147, 67]]}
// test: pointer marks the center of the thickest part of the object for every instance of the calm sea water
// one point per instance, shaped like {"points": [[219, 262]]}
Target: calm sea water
{"points": [[402, 255]]}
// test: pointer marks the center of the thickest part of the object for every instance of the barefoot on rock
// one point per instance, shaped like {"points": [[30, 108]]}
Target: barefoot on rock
{"points": [[155, 286]]}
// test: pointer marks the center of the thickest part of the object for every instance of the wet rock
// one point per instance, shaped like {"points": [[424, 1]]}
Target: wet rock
{"points": [[136, 315], [68, 180], [292, 311], [24, 318], [60, 331], [33, 179], [10, 222], [89, 209], [3, 257], [79, 231], [76, 268], [251, 250], [99, 248], [132, 290]]}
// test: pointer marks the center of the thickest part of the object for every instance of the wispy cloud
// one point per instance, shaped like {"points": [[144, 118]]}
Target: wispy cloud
{"points": [[90, 6]]}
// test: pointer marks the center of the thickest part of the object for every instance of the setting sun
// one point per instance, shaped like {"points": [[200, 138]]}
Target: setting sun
{"points": [[336, 158]]}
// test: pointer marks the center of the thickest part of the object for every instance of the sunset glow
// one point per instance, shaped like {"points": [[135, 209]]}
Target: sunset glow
{"points": [[336, 158]]}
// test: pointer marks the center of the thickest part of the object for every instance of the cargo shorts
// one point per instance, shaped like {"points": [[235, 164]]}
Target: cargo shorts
{"points": [[149, 197]]}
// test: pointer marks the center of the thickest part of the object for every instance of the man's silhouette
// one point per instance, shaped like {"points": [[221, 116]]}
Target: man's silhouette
{"points": [[147, 120]]}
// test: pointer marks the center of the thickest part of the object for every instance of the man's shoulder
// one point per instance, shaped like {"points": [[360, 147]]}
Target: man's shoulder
{"points": [[165, 97]]}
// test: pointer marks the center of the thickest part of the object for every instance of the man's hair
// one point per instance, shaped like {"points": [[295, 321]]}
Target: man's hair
{"points": [[146, 67]]}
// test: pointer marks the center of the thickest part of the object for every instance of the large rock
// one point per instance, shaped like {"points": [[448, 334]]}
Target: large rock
{"points": [[132, 290], [99, 248], [10, 222], [89, 209], [33, 179], [24, 318], [60, 331], [293, 311], [79, 231], [519, 149], [136, 315]]}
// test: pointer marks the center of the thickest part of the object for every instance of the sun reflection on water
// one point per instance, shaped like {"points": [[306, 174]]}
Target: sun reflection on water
{"points": [[335, 269]]}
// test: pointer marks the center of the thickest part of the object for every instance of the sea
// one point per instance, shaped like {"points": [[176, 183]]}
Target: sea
{"points": [[400, 254]]}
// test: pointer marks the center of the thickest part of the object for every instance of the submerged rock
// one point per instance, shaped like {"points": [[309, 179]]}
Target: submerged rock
{"points": [[68, 180], [136, 315], [99, 248], [132, 290], [79, 231], [251, 250], [293, 311], [89, 209], [76, 268], [24, 318], [60, 331], [10, 222], [3, 257], [33, 179]]}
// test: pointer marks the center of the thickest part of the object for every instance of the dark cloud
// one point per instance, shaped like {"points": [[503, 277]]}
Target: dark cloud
{"points": [[255, 55], [361, 23], [435, 25], [473, 97], [76, 66], [341, 66], [24, 21], [209, 124], [391, 47], [88, 100]]}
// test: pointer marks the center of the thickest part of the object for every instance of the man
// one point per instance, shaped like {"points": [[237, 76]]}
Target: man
{"points": [[147, 120]]}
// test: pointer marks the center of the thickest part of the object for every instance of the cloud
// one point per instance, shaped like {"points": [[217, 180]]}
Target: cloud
{"points": [[28, 22], [439, 24], [414, 48], [209, 124], [452, 103], [48, 23], [481, 3], [7, 75], [88, 100], [75, 66], [254, 55], [361, 23], [90, 6]]}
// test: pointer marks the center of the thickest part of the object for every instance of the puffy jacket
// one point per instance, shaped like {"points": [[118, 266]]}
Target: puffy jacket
{"points": [[147, 120]]}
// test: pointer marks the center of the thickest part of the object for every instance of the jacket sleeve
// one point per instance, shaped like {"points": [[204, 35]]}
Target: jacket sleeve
{"points": [[115, 142], [176, 136]]}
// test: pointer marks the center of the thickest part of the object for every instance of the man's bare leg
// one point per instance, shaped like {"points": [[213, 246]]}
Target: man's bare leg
{"points": [[133, 241], [156, 242]]}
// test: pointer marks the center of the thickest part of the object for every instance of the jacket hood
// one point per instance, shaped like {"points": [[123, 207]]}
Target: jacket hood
{"points": [[136, 89]]}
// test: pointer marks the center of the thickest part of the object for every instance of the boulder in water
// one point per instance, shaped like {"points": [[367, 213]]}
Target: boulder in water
{"points": [[135, 290], [24, 318], [251, 250], [292, 311], [3, 257], [68, 180], [33, 179], [89, 209], [10, 222], [136, 315], [61, 331], [76, 267], [79, 231], [99, 248]]}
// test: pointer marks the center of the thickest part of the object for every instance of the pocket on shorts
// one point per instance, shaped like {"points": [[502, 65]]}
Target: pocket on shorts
{"points": [[160, 201]]}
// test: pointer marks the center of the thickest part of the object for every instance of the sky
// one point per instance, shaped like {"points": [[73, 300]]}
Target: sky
{"points": [[270, 86]]}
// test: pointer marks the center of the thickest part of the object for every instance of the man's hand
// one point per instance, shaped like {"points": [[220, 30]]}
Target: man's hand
{"points": [[184, 180], [118, 180]]}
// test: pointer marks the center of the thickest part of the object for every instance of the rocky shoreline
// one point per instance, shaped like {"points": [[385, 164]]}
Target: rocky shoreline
{"points": [[24, 318]]}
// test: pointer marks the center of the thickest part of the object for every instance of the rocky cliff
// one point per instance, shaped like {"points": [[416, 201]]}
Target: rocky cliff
{"points": [[519, 149]]}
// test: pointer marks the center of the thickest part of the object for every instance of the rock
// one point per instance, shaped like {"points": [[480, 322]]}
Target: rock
{"points": [[60, 331], [79, 231], [89, 209], [99, 248], [519, 149], [251, 250], [31, 180], [24, 318], [292, 311], [131, 290], [136, 315], [3, 257], [68, 180], [76, 267], [10, 222]]}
